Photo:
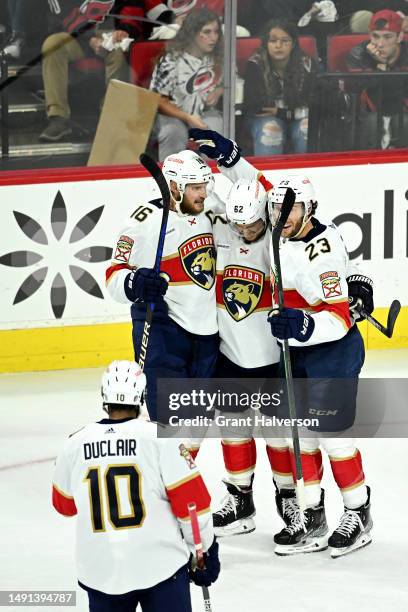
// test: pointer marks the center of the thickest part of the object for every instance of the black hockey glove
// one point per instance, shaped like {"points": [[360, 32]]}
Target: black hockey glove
{"points": [[209, 574], [291, 323], [144, 285], [360, 291], [224, 150]]}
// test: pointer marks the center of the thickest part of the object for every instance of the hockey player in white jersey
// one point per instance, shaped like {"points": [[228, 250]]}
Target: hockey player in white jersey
{"points": [[326, 348], [130, 492], [246, 351], [354, 527], [182, 342]]}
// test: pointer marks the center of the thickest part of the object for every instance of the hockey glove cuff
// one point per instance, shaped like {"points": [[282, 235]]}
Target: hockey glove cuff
{"points": [[291, 323], [360, 291], [224, 150], [209, 574], [144, 285]]}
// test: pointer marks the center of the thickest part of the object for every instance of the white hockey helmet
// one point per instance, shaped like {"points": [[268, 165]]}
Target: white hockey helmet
{"points": [[186, 168], [305, 194], [180, 7], [123, 382], [246, 202]]}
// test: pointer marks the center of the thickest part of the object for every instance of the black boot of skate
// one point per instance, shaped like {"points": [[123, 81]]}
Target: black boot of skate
{"points": [[354, 530], [286, 503], [235, 515], [309, 535]]}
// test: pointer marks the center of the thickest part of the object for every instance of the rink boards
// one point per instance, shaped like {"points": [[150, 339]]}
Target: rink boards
{"points": [[59, 228]]}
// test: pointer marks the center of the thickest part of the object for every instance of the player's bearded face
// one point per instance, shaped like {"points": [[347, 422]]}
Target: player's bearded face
{"points": [[193, 198], [295, 219]]}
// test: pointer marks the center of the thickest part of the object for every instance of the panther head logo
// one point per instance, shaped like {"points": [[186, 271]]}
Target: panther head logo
{"points": [[203, 262], [242, 296], [198, 259]]}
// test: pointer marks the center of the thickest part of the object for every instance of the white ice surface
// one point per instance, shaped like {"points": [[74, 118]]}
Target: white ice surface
{"points": [[37, 411]]}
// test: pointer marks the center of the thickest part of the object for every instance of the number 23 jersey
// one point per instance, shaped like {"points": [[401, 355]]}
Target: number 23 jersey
{"points": [[314, 271]]}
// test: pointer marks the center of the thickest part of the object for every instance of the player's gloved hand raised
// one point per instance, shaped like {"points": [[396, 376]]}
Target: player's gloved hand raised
{"points": [[291, 323], [224, 150], [209, 574], [145, 285], [360, 291]]}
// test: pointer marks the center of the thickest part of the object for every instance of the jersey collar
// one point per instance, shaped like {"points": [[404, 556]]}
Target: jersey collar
{"points": [[318, 228]]}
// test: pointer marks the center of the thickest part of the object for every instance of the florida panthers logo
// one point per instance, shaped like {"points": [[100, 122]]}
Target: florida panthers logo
{"points": [[242, 290], [197, 255]]}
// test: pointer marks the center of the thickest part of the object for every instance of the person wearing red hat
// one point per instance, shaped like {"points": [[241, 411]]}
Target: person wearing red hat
{"points": [[385, 51]]}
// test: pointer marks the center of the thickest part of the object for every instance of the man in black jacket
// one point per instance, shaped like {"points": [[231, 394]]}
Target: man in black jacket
{"points": [[77, 36], [386, 51]]}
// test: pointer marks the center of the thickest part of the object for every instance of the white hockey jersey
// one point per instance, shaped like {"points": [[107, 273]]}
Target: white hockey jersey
{"points": [[188, 263], [130, 491], [314, 271], [244, 298]]}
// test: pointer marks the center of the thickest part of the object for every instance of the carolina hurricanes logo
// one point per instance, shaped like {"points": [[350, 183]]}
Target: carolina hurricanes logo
{"points": [[197, 255], [242, 290], [202, 80]]}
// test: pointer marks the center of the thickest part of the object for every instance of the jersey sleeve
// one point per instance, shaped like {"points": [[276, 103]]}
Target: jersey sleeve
{"points": [[185, 485], [132, 250], [214, 204], [323, 287], [245, 170], [62, 496]]}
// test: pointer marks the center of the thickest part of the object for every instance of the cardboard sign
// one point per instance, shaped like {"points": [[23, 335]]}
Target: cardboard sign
{"points": [[125, 124]]}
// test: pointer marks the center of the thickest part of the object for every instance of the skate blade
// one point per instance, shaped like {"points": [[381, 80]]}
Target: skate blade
{"points": [[312, 545], [237, 528], [363, 541]]}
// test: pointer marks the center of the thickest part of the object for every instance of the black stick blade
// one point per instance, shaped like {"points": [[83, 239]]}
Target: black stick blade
{"points": [[287, 205], [392, 317], [155, 171]]}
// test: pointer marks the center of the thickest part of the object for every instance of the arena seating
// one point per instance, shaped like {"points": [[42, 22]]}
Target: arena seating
{"points": [[143, 56]]}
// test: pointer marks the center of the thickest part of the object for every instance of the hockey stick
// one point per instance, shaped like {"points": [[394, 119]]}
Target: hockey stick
{"points": [[157, 175], [287, 205], [192, 510], [391, 319]]}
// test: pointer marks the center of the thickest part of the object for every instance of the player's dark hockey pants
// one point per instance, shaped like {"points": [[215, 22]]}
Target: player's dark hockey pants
{"points": [[172, 352], [171, 595], [327, 381]]}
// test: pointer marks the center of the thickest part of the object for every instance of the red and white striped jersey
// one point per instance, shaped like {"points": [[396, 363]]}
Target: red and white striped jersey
{"points": [[314, 271], [130, 491], [244, 298], [188, 263]]}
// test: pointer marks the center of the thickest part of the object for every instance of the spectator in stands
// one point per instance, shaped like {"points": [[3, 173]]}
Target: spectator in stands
{"points": [[17, 12], [189, 79], [385, 51], [355, 15], [278, 87], [320, 21], [82, 38]]}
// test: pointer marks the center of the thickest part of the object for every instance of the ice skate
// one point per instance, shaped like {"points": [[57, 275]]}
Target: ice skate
{"points": [[286, 503], [309, 535], [236, 514], [353, 532]]}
